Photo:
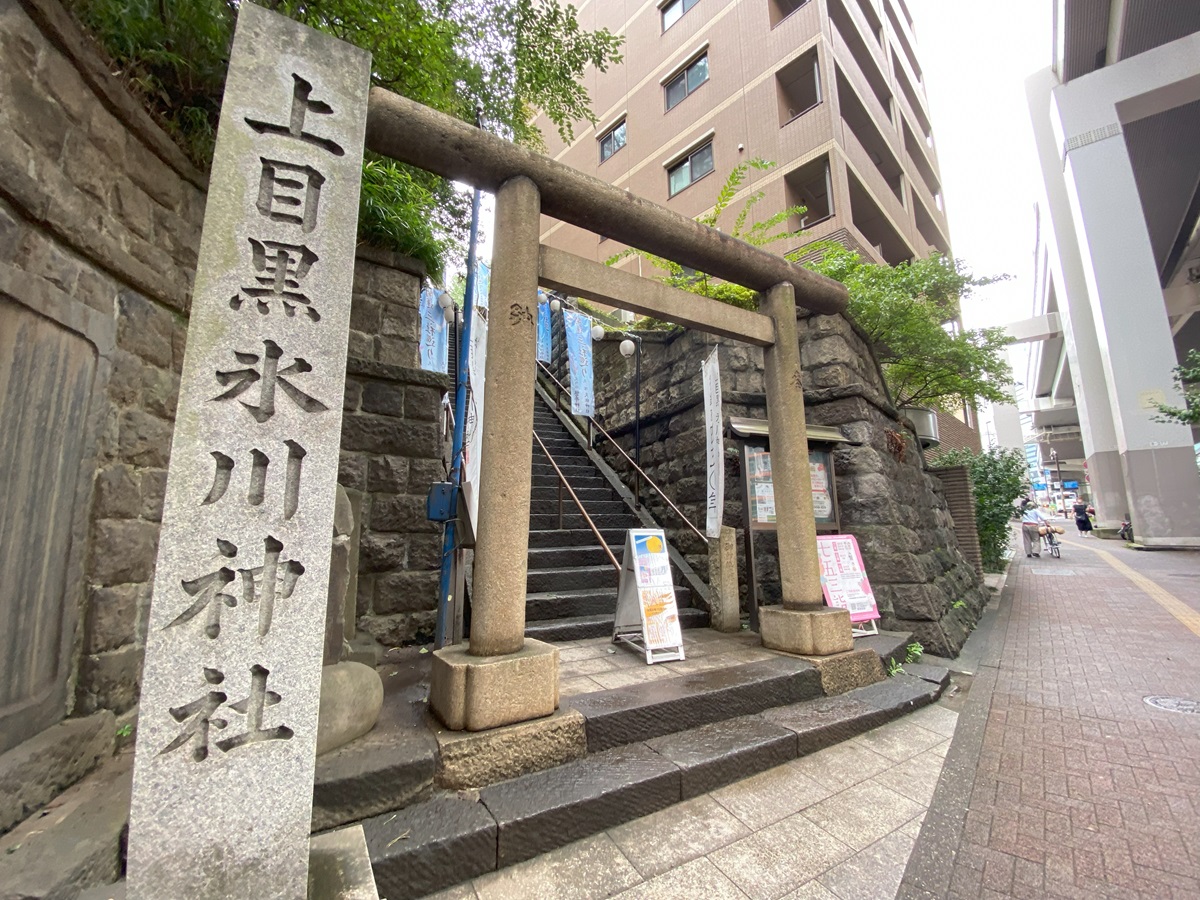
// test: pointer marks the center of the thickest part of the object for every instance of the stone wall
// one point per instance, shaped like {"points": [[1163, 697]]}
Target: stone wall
{"points": [[885, 496], [392, 450], [100, 217]]}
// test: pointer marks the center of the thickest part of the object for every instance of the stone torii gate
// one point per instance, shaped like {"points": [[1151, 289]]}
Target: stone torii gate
{"points": [[227, 728], [502, 677]]}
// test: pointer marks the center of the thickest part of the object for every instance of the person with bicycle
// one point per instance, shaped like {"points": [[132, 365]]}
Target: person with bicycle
{"points": [[1032, 522]]}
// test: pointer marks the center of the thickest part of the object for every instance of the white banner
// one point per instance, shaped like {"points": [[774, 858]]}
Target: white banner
{"points": [[711, 370], [473, 427]]}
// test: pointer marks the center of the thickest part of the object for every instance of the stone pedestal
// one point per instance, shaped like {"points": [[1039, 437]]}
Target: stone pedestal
{"points": [[473, 693], [724, 606], [816, 632]]}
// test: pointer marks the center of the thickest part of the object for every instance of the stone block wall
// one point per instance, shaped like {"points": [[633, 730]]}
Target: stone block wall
{"points": [[886, 497], [100, 217], [392, 451]]}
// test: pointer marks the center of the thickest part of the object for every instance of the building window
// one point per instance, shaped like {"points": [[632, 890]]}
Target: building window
{"points": [[686, 81], [612, 140], [690, 169], [672, 12]]}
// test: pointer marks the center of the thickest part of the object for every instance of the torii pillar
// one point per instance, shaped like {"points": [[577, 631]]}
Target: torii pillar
{"points": [[804, 625]]}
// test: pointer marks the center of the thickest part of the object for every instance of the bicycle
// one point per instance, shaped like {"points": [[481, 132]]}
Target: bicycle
{"points": [[1051, 543], [1125, 533]]}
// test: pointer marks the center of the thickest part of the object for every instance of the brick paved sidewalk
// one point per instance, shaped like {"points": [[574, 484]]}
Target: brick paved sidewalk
{"points": [[1061, 781]]}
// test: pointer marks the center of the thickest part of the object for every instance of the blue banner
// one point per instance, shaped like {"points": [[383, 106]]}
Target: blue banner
{"points": [[483, 284], [579, 354], [435, 339], [543, 330]]}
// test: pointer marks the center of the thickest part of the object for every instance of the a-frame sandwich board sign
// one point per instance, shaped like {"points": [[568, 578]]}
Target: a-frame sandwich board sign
{"points": [[647, 617]]}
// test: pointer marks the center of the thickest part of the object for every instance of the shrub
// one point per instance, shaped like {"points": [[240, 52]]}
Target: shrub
{"points": [[997, 478]]}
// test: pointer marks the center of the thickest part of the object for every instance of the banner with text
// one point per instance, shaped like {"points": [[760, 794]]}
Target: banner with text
{"points": [[579, 354], [715, 449], [543, 329], [435, 336], [844, 577]]}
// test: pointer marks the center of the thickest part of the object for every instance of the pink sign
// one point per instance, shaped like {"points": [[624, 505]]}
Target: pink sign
{"points": [[844, 577]]}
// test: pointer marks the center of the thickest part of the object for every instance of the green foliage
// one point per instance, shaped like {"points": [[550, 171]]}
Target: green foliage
{"points": [[904, 310], [997, 477], [894, 668], [760, 234], [125, 731], [1187, 379], [509, 58], [913, 652]]}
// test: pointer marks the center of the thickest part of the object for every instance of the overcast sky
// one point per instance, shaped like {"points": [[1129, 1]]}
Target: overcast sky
{"points": [[976, 55]]}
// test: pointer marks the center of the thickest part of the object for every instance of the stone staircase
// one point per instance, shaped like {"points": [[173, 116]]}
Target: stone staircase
{"points": [[572, 586], [646, 747]]}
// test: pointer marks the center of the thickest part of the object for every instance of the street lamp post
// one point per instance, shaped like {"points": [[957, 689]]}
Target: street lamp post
{"points": [[633, 344]]}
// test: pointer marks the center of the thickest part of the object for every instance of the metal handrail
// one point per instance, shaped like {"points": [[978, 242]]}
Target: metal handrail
{"points": [[592, 423], [562, 480]]}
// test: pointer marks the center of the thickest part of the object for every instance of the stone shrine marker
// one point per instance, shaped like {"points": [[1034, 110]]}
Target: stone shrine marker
{"points": [[227, 731]]}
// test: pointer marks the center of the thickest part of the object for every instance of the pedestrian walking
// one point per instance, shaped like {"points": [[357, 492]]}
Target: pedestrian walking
{"points": [[1032, 521], [1082, 520]]}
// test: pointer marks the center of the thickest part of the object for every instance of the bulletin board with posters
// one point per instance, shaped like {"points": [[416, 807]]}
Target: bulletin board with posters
{"points": [[758, 490]]}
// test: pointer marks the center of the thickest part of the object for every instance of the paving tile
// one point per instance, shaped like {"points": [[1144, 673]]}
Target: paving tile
{"points": [[936, 718], [591, 868], [592, 666], [873, 872], [842, 765], [779, 858], [811, 890], [863, 814], [915, 778], [698, 878], [623, 677], [464, 891], [899, 740], [568, 687], [663, 840], [1071, 783], [913, 826], [770, 796]]}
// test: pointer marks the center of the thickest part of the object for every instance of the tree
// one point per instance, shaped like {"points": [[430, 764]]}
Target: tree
{"points": [[903, 309], [760, 234], [997, 478], [1187, 379], [909, 312], [507, 57]]}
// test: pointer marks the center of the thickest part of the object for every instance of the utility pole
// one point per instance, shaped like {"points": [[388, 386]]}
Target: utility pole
{"points": [[1062, 501]]}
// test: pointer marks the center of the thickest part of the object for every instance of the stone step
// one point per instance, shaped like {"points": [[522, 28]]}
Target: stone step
{"points": [[569, 470], [452, 838], [593, 507], [558, 557], [577, 628], [573, 520], [587, 602], [544, 606], [649, 710], [577, 481], [572, 578], [575, 537], [558, 446], [550, 494]]}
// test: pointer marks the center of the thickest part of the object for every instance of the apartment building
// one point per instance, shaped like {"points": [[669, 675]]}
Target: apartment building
{"points": [[1116, 118], [829, 90]]}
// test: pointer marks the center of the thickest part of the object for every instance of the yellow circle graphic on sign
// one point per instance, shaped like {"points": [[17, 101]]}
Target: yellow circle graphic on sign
{"points": [[654, 545]]}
